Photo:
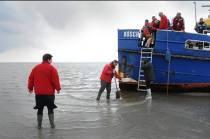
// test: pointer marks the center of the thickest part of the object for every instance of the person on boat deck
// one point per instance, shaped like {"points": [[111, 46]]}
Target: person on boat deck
{"points": [[178, 23], [201, 26], [106, 78], [149, 76], [163, 21], [147, 33], [154, 26], [207, 21], [44, 80]]}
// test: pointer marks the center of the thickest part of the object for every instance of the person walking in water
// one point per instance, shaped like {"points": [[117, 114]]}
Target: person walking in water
{"points": [[106, 78], [44, 80], [149, 76]]}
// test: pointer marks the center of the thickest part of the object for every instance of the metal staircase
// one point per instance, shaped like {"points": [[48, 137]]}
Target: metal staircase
{"points": [[146, 53]]}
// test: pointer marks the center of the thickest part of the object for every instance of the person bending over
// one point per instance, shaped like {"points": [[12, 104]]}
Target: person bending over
{"points": [[106, 78]]}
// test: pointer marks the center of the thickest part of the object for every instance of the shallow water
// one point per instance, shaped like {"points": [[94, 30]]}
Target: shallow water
{"points": [[79, 116]]}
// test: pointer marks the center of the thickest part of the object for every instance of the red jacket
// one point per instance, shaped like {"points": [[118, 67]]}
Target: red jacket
{"points": [[154, 25], [163, 22], [178, 24], [44, 79], [108, 73], [146, 30]]}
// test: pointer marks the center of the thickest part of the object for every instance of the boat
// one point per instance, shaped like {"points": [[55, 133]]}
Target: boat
{"points": [[181, 60]]}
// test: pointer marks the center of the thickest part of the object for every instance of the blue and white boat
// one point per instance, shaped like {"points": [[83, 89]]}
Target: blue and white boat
{"points": [[181, 60]]}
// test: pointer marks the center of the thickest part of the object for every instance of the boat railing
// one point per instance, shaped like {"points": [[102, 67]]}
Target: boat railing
{"points": [[206, 31]]}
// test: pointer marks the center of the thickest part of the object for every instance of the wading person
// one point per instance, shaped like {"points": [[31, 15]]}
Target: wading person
{"points": [[106, 78], [44, 80], [149, 76]]}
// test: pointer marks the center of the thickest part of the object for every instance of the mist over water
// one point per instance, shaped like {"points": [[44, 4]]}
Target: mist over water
{"points": [[79, 116]]}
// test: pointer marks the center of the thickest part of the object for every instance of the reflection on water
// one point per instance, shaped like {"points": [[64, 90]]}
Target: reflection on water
{"points": [[79, 115]]}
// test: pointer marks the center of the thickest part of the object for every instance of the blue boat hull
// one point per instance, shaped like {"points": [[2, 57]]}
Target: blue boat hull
{"points": [[188, 69]]}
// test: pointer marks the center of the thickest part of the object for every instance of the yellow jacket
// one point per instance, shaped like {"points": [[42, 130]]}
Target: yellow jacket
{"points": [[207, 21]]}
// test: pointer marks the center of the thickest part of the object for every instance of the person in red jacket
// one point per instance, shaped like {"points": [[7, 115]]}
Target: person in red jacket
{"points": [[163, 21], [146, 33], [154, 24], [106, 78], [178, 23], [44, 80]]}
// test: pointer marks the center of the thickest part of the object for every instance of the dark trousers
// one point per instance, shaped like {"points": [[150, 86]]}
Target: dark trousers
{"points": [[45, 100], [101, 90], [148, 84]]}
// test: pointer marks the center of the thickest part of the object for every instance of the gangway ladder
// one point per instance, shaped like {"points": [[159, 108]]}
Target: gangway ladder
{"points": [[146, 53]]}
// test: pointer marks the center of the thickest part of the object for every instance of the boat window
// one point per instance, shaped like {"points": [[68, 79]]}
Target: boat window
{"points": [[197, 45]]}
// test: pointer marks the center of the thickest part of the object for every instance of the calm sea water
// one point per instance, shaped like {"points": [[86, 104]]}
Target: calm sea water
{"points": [[79, 116]]}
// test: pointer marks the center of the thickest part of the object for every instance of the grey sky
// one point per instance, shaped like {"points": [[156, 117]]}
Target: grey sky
{"points": [[78, 31]]}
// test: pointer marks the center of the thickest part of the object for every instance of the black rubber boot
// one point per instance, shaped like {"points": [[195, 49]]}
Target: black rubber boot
{"points": [[99, 96], [108, 96], [51, 119], [117, 95], [39, 121]]}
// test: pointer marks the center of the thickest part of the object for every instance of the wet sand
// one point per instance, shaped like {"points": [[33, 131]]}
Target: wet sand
{"points": [[79, 116]]}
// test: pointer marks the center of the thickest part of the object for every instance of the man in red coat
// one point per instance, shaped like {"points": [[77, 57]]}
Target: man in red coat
{"points": [[154, 24], [146, 33], [178, 23], [44, 80], [106, 78], [163, 21]]}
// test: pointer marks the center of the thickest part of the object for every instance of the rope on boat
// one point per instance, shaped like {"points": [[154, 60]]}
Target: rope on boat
{"points": [[169, 65]]}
